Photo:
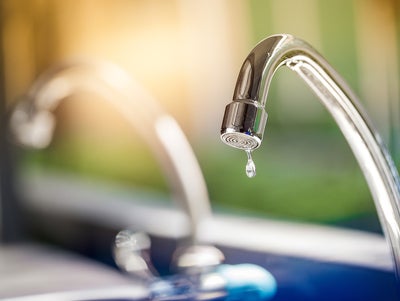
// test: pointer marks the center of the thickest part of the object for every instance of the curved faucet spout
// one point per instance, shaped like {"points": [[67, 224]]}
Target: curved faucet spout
{"points": [[32, 122], [245, 119]]}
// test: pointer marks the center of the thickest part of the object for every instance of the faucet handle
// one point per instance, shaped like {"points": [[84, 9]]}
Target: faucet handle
{"points": [[132, 255], [196, 259], [201, 275]]}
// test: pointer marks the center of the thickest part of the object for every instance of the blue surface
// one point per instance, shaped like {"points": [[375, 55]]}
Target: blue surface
{"points": [[302, 279]]}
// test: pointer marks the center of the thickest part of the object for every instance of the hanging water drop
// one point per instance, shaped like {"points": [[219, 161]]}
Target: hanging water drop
{"points": [[250, 166]]}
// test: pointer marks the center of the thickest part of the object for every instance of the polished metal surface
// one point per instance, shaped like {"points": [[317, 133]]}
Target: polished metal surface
{"points": [[245, 116], [32, 122]]}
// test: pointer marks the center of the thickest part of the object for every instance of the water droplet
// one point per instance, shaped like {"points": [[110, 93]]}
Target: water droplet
{"points": [[250, 166]]}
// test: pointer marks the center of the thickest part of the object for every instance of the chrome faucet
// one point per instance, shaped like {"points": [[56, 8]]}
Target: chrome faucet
{"points": [[32, 122], [245, 119]]}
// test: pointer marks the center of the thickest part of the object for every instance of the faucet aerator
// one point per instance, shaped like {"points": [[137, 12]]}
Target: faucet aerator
{"points": [[243, 124]]}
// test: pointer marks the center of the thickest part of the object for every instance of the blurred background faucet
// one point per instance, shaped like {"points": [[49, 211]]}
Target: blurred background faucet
{"points": [[245, 119], [32, 122]]}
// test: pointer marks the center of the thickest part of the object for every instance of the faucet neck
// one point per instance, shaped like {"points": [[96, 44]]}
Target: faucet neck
{"points": [[32, 123], [259, 67]]}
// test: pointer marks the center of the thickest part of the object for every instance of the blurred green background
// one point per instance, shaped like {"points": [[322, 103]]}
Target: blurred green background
{"points": [[188, 53]]}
